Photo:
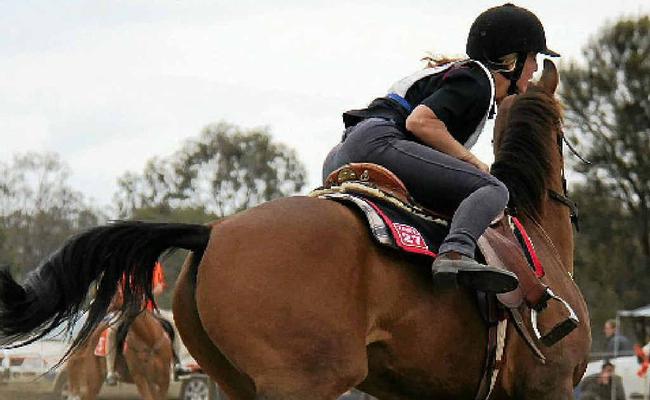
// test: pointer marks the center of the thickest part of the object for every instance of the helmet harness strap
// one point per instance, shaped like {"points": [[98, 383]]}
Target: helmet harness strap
{"points": [[514, 74]]}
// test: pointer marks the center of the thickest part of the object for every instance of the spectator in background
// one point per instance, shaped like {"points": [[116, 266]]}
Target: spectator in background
{"points": [[618, 343], [599, 386]]}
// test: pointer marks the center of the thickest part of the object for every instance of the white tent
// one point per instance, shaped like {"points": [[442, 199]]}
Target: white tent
{"points": [[638, 312]]}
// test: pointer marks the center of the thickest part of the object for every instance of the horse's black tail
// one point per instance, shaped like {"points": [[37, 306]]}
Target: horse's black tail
{"points": [[57, 290]]}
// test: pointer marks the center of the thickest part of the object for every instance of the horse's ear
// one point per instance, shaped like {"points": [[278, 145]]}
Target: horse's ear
{"points": [[550, 77]]}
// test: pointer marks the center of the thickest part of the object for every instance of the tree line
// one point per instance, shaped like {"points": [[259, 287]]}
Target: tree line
{"points": [[607, 105], [226, 169]]}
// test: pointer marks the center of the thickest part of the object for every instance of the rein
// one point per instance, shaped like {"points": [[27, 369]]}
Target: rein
{"points": [[573, 206], [563, 197]]}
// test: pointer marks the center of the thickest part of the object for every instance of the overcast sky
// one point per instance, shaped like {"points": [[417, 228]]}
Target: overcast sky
{"points": [[110, 84]]}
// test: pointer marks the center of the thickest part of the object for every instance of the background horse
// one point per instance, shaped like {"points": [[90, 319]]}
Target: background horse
{"points": [[86, 371], [293, 299], [146, 361]]}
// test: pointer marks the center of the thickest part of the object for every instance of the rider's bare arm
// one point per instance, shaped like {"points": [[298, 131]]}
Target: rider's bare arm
{"points": [[426, 126]]}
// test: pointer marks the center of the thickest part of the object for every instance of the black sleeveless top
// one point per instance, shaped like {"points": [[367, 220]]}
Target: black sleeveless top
{"points": [[458, 93]]}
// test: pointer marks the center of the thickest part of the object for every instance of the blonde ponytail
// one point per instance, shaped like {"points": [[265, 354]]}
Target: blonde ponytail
{"points": [[434, 60]]}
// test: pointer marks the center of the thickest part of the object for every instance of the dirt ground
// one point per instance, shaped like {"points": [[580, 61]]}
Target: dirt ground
{"points": [[43, 390], [17, 395], [29, 390], [26, 395]]}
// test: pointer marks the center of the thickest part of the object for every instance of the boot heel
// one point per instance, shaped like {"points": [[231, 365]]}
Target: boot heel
{"points": [[445, 278], [488, 281], [444, 267]]}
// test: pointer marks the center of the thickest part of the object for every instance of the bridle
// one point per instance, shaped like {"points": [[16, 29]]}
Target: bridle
{"points": [[563, 197]]}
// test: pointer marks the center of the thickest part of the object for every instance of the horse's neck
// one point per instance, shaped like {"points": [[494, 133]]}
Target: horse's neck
{"points": [[553, 230], [559, 228]]}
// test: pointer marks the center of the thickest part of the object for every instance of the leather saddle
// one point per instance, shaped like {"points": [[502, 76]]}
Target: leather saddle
{"points": [[380, 178], [497, 245]]}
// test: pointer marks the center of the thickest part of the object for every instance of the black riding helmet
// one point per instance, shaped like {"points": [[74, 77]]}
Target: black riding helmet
{"points": [[503, 30]]}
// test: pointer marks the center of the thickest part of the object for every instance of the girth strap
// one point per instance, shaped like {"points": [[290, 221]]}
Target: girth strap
{"points": [[494, 346]]}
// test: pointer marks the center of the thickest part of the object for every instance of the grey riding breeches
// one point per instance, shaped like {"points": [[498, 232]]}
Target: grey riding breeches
{"points": [[436, 180]]}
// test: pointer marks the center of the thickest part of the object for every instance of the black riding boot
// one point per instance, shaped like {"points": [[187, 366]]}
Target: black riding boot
{"points": [[451, 269]]}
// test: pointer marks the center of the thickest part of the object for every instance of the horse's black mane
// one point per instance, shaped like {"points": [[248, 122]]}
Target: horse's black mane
{"points": [[523, 158]]}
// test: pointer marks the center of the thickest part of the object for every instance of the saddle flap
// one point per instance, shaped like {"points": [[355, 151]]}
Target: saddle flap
{"points": [[497, 244]]}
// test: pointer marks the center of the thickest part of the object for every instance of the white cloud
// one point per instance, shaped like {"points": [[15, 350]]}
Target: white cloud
{"points": [[22, 133]]}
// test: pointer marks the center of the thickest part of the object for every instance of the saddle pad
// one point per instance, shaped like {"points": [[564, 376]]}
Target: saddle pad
{"points": [[394, 228], [414, 233]]}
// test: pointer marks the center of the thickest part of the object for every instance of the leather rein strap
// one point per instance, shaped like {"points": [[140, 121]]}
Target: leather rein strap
{"points": [[569, 203], [563, 197]]}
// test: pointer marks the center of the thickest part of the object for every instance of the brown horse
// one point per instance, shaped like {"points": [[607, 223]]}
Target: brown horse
{"points": [[86, 371], [293, 300], [146, 361]]}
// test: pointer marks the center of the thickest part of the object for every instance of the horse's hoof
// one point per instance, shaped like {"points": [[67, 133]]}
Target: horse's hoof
{"points": [[111, 380]]}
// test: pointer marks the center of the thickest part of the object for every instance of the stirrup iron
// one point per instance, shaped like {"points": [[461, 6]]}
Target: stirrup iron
{"points": [[521, 328], [560, 330]]}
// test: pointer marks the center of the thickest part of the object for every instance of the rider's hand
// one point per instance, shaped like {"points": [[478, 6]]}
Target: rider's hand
{"points": [[472, 159], [482, 166]]}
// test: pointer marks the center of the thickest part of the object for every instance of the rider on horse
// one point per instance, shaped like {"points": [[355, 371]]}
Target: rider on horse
{"points": [[158, 286], [424, 128]]}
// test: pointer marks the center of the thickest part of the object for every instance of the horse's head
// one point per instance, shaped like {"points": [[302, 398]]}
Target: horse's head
{"points": [[527, 143], [547, 84], [528, 159]]}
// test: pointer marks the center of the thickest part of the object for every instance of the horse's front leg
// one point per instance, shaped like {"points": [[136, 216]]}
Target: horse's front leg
{"points": [[74, 384], [537, 385], [144, 387], [160, 377], [95, 373]]}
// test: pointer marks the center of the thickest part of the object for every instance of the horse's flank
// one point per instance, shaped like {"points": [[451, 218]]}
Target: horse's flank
{"points": [[328, 298]]}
